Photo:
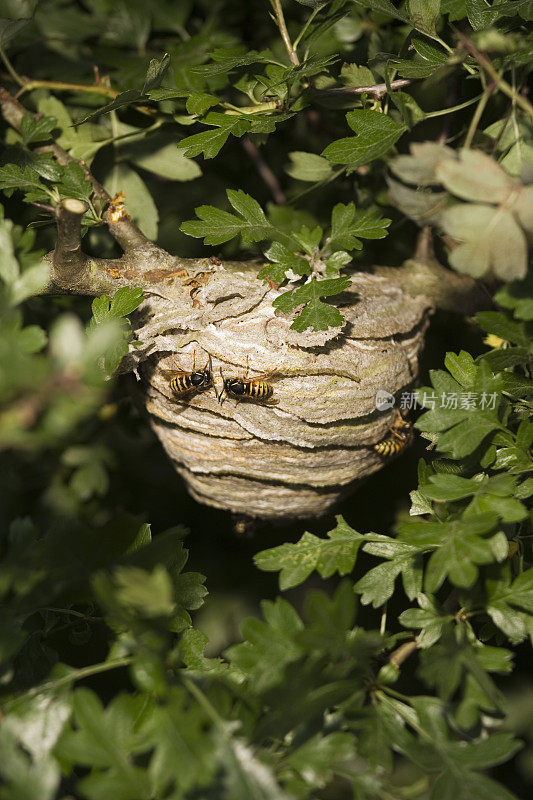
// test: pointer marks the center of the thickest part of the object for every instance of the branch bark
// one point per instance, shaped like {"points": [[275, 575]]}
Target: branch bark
{"points": [[70, 263], [379, 90], [126, 233]]}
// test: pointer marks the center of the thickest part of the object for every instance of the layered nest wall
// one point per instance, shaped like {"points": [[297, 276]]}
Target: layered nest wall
{"points": [[298, 453]]}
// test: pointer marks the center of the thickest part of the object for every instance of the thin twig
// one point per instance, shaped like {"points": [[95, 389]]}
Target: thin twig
{"points": [[311, 17], [379, 90], [478, 113], [502, 84], [264, 170], [280, 20], [64, 86], [402, 653], [10, 68]]}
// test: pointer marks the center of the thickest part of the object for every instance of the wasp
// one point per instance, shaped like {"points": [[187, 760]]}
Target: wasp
{"points": [[399, 437], [183, 382], [248, 388]]}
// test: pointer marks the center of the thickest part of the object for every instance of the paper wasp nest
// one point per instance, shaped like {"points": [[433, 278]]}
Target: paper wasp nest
{"points": [[298, 455]]}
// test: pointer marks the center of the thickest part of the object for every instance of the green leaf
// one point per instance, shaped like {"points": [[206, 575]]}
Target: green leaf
{"points": [[126, 300], [377, 585], [122, 100], [309, 167], [269, 646], [105, 740], [347, 224], [489, 241], [14, 177], [376, 134], [384, 7], [36, 130], [216, 226], [199, 103], [429, 618], [296, 562], [155, 73], [316, 314], [169, 163], [73, 183], [283, 260], [10, 28], [210, 142], [424, 14], [352, 75]]}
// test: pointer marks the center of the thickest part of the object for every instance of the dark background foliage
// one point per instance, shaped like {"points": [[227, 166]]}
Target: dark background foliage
{"points": [[99, 474]]}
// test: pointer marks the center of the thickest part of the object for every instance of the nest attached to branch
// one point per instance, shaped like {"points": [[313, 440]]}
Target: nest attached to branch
{"points": [[296, 456]]}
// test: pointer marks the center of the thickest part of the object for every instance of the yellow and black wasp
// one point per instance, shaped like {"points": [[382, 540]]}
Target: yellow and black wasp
{"points": [[181, 382], [399, 437], [245, 388]]}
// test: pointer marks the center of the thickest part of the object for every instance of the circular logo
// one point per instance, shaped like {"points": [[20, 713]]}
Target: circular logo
{"points": [[384, 400]]}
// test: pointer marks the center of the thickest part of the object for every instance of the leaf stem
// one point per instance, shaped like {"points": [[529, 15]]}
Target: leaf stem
{"points": [[74, 675], [64, 86], [256, 109], [208, 707], [478, 113], [402, 653], [311, 17], [280, 20], [500, 82], [10, 68], [441, 112]]}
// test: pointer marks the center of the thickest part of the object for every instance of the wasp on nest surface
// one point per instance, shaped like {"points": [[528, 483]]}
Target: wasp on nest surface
{"points": [[399, 437], [246, 388], [183, 382]]}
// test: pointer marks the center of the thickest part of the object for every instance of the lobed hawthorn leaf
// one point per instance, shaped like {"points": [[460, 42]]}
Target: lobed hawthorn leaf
{"points": [[36, 130], [12, 177], [199, 103], [376, 134], [518, 297], [295, 562], [473, 175], [347, 224], [225, 62], [500, 325], [315, 314], [499, 607], [453, 663], [211, 142], [283, 260], [489, 241], [377, 585], [429, 618], [122, 100], [268, 646], [216, 226]]}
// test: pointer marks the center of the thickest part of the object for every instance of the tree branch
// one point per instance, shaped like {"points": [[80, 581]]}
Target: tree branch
{"points": [[264, 170], [379, 90], [502, 84], [69, 261], [126, 233], [280, 20], [402, 653]]}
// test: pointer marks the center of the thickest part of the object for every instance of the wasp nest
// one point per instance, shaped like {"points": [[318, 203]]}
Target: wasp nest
{"points": [[298, 453], [294, 456]]}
